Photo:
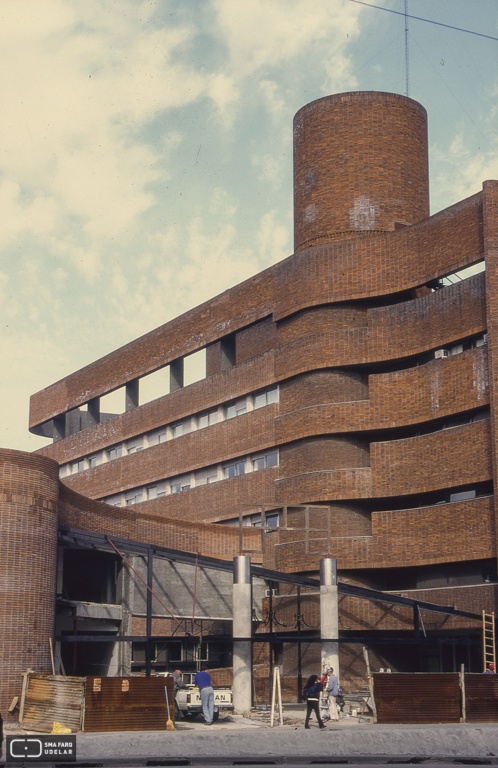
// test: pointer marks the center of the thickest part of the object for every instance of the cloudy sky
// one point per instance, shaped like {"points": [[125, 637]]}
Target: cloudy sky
{"points": [[146, 152]]}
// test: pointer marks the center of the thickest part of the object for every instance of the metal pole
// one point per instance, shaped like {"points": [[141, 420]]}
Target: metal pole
{"points": [[299, 658], [148, 620], [270, 616]]}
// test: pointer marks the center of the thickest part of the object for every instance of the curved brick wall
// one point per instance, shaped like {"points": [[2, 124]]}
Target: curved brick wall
{"points": [[329, 318], [442, 459], [423, 393], [321, 387], [360, 165], [29, 490], [443, 533], [326, 453], [394, 331]]}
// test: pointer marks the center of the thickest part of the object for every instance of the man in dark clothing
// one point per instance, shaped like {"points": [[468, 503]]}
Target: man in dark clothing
{"points": [[312, 691], [203, 682]]}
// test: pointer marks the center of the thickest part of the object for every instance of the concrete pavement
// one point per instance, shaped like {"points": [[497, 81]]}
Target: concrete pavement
{"points": [[238, 738], [242, 741]]}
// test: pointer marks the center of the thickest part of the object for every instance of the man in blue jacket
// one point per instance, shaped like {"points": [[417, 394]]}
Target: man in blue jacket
{"points": [[203, 681]]}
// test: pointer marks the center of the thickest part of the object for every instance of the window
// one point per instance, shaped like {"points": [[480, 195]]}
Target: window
{"points": [[176, 487], [134, 499], [263, 462], [161, 438], [177, 430], [204, 476], [207, 419], [234, 470], [115, 453], [266, 398], [260, 400], [92, 461], [134, 445], [236, 409], [272, 520], [152, 492]]}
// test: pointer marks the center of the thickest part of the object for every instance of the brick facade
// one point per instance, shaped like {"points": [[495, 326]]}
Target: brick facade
{"points": [[386, 376]]}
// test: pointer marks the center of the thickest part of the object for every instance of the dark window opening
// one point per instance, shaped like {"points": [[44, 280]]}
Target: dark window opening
{"points": [[89, 576]]}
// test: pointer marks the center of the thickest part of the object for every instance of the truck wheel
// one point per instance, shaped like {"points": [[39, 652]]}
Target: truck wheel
{"points": [[178, 714], [215, 716]]}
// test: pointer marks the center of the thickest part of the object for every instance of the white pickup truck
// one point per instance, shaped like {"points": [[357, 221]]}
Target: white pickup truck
{"points": [[188, 702]]}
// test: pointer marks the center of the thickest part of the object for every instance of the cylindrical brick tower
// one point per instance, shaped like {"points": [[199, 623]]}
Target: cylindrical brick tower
{"points": [[29, 489], [360, 166]]}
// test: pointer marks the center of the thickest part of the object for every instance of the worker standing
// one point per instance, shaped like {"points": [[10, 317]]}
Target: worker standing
{"points": [[203, 681], [333, 691]]}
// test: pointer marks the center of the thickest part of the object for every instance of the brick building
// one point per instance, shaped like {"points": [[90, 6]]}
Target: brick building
{"points": [[348, 388]]}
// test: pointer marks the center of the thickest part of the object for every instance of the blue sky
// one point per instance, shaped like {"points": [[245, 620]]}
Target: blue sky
{"points": [[146, 152]]}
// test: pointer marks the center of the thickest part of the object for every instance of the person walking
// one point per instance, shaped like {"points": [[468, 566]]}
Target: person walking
{"points": [[333, 691], [311, 693], [203, 681]]}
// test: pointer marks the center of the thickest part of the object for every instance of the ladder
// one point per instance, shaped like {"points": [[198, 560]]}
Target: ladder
{"points": [[488, 640]]}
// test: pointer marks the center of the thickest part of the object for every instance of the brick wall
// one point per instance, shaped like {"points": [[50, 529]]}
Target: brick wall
{"points": [[251, 432], [326, 453], [455, 532], [341, 143], [143, 525], [195, 398], [28, 531], [336, 272], [442, 459]]}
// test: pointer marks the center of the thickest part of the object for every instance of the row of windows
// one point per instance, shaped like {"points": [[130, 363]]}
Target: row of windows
{"points": [[195, 479], [172, 431]]}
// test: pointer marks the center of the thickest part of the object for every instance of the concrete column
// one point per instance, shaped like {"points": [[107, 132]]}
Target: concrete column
{"points": [[329, 614], [176, 374], [242, 628], [94, 411], [131, 395], [59, 430]]}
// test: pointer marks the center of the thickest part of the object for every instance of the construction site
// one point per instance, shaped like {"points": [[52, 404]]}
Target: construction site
{"points": [[323, 494]]}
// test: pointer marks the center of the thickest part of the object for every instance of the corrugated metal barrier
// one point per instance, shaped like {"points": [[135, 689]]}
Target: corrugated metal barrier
{"points": [[436, 698], [481, 698], [96, 704], [128, 703], [50, 698]]}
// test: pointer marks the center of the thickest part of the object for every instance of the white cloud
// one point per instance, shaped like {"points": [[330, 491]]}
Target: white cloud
{"points": [[273, 239], [261, 33]]}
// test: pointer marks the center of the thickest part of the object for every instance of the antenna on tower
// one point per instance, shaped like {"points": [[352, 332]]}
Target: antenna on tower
{"points": [[407, 69]]}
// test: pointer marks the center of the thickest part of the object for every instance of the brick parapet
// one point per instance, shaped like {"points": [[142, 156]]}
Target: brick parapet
{"points": [[444, 533], [323, 486], [393, 332], [412, 396], [377, 266], [249, 433], [442, 459], [217, 501], [202, 395], [147, 525]]}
